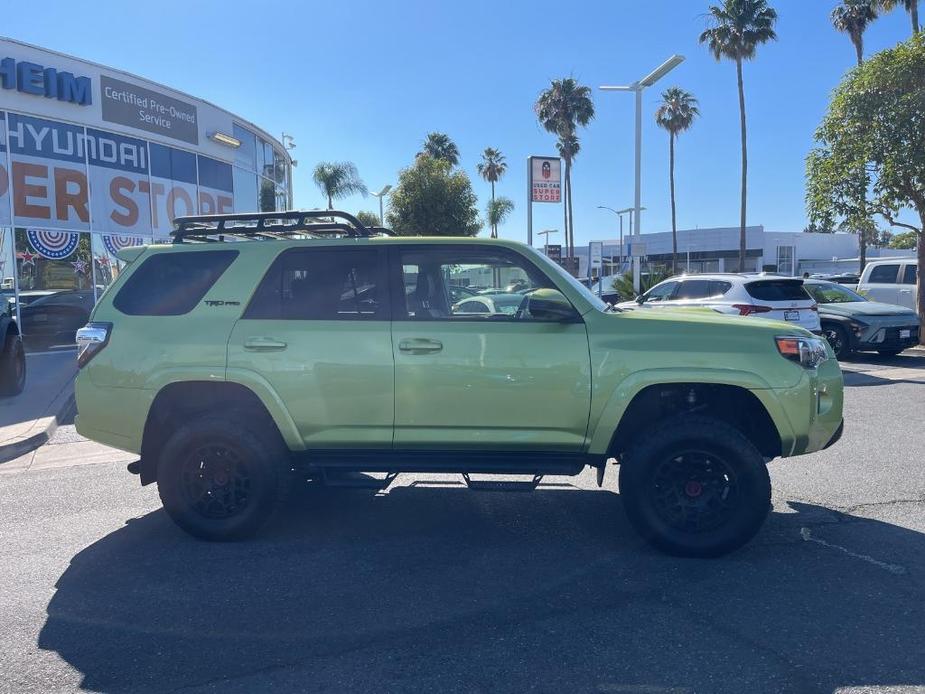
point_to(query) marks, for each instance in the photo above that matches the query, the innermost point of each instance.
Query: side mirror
(550, 305)
(641, 299)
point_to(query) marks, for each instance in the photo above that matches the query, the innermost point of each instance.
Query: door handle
(264, 344)
(420, 345)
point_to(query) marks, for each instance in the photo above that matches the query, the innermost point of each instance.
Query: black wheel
(222, 478)
(889, 352)
(695, 486)
(12, 366)
(838, 339)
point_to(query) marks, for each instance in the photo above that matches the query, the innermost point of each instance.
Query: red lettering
(225, 205)
(176, 193)
(75, 199)
(22, 191)
(4, 181)
(206, 203)
(117, 189)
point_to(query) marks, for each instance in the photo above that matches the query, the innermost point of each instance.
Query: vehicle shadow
(445, 589)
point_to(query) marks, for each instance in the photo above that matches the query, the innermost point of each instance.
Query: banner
(120, 192)
(54, 245)
(114, 244)
(48, 173)
(5, 214)
(173, 187)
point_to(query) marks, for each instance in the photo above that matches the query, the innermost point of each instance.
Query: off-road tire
(198, 456)
(703, 448)
(12, 366)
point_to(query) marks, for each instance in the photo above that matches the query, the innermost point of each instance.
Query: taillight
(91, 339)
(814, 307)
(749, 309)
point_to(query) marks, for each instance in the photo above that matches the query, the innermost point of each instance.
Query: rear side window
(909, 274)
(883, 274)
(702, 289)
(777, 290)
(307, 284)
(171, 284)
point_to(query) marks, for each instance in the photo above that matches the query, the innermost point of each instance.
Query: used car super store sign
(56, 174)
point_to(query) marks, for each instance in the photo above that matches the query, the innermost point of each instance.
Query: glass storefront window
(7, 274)
(279, 167)
(267, 196)
(106, 265)
(56, 289)
(246, 155)
(245, 191)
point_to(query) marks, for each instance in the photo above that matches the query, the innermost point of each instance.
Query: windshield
(831, 293)
(558, 270)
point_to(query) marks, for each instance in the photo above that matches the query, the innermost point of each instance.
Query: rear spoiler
(130, 254)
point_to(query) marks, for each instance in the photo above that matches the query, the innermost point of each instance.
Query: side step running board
(502, 485)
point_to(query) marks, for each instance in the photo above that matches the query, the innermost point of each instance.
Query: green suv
(318, 346)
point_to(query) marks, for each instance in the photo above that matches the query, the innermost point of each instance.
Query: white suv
(891, 281)
(761, 295)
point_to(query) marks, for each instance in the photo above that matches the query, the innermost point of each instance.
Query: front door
(318, 331)
(472, 368)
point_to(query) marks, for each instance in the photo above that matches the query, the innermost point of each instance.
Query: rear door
(882, 283)
(317, 329)
(494, 381)
(787, 300)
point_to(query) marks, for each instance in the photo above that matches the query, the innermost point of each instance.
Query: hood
(681, 316)
(864, 308)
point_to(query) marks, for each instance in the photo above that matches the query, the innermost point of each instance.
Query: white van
(891, 281)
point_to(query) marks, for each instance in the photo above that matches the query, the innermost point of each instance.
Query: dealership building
(93, 159)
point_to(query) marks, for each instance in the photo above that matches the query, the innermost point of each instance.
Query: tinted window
(171, 284)
(909, 273)
(503, 278)
(661, 292)
(883, 274)
(322, 285)
(701, 289)
(777, 290)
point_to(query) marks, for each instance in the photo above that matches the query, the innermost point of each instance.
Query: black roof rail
(206, 227)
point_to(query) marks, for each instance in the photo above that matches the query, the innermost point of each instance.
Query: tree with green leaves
(440, 146)
(911, 6)
(738, 28)
(874, 131)
(368, 219)
(433, 200)
(623, 284)
(561, 108)
(492, 167)
(675, 114)
(338, 179)
(906, 241)
(497, 211)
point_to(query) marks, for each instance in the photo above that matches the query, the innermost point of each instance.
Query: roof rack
(272, 225)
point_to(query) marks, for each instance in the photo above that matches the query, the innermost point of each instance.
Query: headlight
(808, 352)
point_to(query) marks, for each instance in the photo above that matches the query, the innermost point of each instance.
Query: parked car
(852, 323)
(12, 354)
(759, 295)
(848, 278)
(226, 366)
(891, 281)
(53, 319)
(491, 304)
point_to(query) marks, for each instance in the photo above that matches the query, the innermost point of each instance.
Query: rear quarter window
(171, 284)
(777, 290)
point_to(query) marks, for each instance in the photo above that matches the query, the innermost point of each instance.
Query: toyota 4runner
(319, 346)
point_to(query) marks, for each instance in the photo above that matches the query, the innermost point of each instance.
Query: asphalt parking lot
(431, 587)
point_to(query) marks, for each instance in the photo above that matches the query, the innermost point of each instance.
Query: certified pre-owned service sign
(137, 107)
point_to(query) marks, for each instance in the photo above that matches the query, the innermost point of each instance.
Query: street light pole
(620, 214)
(545, 234)
(381, 195)
(638, 88)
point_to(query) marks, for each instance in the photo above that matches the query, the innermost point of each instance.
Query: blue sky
(365, 81)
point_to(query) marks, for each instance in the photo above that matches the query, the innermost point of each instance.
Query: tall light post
(381, 194)
(638, 88)
(289, 145)
(545, 234)
(620, 214)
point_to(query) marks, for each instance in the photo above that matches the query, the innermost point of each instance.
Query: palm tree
(440, 146)
(338, 179)
(497, 211)
(739, 26)
(853, 17)
(492, 167)
(568, 147)
(561, 109)
(911, 6)
(675, 114)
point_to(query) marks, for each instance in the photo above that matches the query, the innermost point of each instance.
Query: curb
(62, 406)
